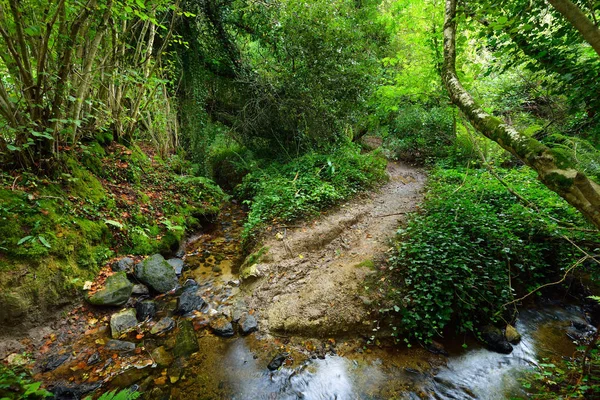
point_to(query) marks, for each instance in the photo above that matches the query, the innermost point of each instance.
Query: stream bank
(205, 353)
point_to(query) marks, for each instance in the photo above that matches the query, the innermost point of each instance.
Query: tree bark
(553, 171)
(580, 21)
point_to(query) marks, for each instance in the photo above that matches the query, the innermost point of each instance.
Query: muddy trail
(309, 279)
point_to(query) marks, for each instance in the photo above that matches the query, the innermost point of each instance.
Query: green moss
(558, 181)
(366, 264)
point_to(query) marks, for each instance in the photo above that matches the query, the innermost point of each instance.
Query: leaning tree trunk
(580, 21)
(556, 173)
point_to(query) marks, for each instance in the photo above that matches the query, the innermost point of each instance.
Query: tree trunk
(580, 21)
(554, 172)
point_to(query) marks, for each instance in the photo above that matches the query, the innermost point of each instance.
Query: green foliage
(420, 134)
(118, 395)
(18, 384)
(564, 379)
(306, 185)
(453, 259)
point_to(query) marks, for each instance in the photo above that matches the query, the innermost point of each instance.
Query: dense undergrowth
(55, 231)
(475, 247)
(283, 192)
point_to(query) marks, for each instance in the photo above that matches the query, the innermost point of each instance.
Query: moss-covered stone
(156, 272)
(116, 291)
(186, 342)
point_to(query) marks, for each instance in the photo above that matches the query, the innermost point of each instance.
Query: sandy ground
(311, 280)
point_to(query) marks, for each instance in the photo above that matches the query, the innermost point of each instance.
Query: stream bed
(74, 356)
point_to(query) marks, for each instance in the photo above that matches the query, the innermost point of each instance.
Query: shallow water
(473, 374)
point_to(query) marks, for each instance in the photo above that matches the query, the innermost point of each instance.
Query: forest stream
(278, 358)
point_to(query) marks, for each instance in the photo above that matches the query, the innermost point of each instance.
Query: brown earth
(310, 282)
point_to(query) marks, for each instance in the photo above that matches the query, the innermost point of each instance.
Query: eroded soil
(310, 281)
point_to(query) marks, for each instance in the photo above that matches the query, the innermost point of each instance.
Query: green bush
(306, 185)
(16, 384)
(420, 134)
(452, 260)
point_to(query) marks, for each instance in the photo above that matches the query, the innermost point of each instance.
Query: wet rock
(145, 310)
(495, 340)
(253, 271)
(94, 359)
(17, 360)
(164, 325)
(176, 370)
(177, 265)
(221, 326)
(239, 308)
(130, 376)
(54, 361)
(116, 291)
(140, 290)
(186, 342)
(437, 348)
(122, 322)
(234, 282)
(162, 357)
(72, 391)
(122, 265)
(189, 300)
(119, 346)
(247, 324)
(10, 346)
(512, 335)
(155, 272)
(216, 268)
(277, 361)
(180, 253)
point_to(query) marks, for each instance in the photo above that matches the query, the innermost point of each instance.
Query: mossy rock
(116, 291)
(156, 273)
(186, 342)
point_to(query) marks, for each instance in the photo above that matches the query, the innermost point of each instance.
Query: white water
(474, 374)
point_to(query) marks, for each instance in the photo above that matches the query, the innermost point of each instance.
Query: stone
(145, 309)
(94, 359)
(247, 324)
(157, 274)
(277, 361)
(130, 376)
(177, 265)
(119, 346)
(122, 322)
(239, 308)
(17, 360)
(10, 346)
(221, 326)
(140, 290)
(162, 326)
(162, 357)
(71, 391)
(190, 300)
(186, 342)
(116, 291)
(123, 265)
(54, 361)
(495, 340)
(437, 348)
(512, 335)
(176, 370)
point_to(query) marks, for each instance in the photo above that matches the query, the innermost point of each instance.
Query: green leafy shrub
(420, 134)
(306, 185)
(18, 385)
(229, 164)
(452, 260)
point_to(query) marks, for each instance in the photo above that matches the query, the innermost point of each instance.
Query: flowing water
(472, 374)
(236, 368)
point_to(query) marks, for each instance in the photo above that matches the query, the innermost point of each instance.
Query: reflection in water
(475, 374)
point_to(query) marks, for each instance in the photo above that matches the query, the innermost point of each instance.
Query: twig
(390, 215)
(579, 262)
(14, 183)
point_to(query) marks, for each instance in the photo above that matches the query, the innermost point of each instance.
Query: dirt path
(310, 282)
